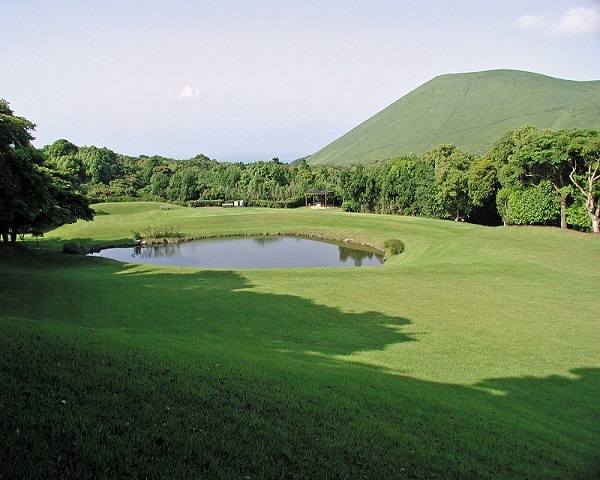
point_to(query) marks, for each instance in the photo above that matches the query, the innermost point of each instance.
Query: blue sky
(251, 80)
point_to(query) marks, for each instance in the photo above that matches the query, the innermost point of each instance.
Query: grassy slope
(475, 354)
(471, 110)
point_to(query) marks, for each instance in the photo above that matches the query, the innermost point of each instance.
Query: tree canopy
(564, 164)
(33, 195)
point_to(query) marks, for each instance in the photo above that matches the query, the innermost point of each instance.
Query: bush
(160, 231)
(289, 203)
(536, 205)
(73, 248)
(394, 246)
(118, 199)
(351, 206)
(578, 217)
(205, 203)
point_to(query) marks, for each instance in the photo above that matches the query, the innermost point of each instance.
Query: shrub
(205, 203)
(73, 248)
(289, 203)
(578, 217)
(394, 246)
(160, 231)
(351, 206)
(536, 205)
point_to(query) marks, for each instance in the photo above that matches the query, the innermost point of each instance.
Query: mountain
(471, 110)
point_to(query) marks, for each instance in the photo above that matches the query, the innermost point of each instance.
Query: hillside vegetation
(471, 110)
(473, 354)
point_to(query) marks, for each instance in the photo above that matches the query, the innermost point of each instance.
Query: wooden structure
(317, 194)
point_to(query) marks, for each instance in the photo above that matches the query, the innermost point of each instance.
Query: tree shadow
(554, 407)
(223, 303)
(87, 243)
(98, 212)
(219, 304)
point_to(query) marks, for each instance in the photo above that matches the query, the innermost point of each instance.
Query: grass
(473, 354)
(471, 110)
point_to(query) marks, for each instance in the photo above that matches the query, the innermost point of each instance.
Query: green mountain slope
(471, 110)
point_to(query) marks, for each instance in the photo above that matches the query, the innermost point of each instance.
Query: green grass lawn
(473, 354)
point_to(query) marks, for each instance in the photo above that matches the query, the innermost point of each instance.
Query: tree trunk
(506, 216)
(594, 213)
(563, 211)
(591, 204)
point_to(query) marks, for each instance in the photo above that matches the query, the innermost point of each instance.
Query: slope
(471, 110)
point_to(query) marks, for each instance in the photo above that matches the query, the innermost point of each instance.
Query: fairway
(473, 354)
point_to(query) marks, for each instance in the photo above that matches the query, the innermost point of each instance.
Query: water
(248, 252)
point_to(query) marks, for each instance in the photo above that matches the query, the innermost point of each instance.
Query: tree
(452, 179)
(353, 186)
(583, 150)
(398, 185)
(159, 184)
(407, 186)
(100, 164)
(540, 160)
(509, 172)
(482, 185)
(63, 156)
(184, 185)
(32, 196)
(67, 204)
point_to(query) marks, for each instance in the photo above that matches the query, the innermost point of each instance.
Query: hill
(471, 110)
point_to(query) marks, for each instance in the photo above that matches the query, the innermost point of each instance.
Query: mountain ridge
(471, 110)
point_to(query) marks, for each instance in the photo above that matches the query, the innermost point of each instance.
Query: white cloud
(187, 92)
(579, 20)
(575, 21)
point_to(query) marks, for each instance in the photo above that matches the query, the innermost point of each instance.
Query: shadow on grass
(98, 212)
(86, 242)
(223, 304)
(195, 375)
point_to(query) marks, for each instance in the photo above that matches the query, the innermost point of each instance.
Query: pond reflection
(249, 252)
(357, 256)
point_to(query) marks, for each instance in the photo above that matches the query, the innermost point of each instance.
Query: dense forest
(529, 177)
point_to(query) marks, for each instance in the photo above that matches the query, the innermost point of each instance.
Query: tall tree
(509, 172)
(541, 161)
(452, 179)
(63, 156)
(32, 196)
(100, 164)
(583, 150)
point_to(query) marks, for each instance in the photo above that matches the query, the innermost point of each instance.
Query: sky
(253, 80)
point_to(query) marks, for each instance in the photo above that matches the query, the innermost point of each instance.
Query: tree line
(529, 177)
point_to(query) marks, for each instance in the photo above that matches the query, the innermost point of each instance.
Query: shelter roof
(321, 192)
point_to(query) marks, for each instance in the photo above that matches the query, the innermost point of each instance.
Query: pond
(249, 252)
